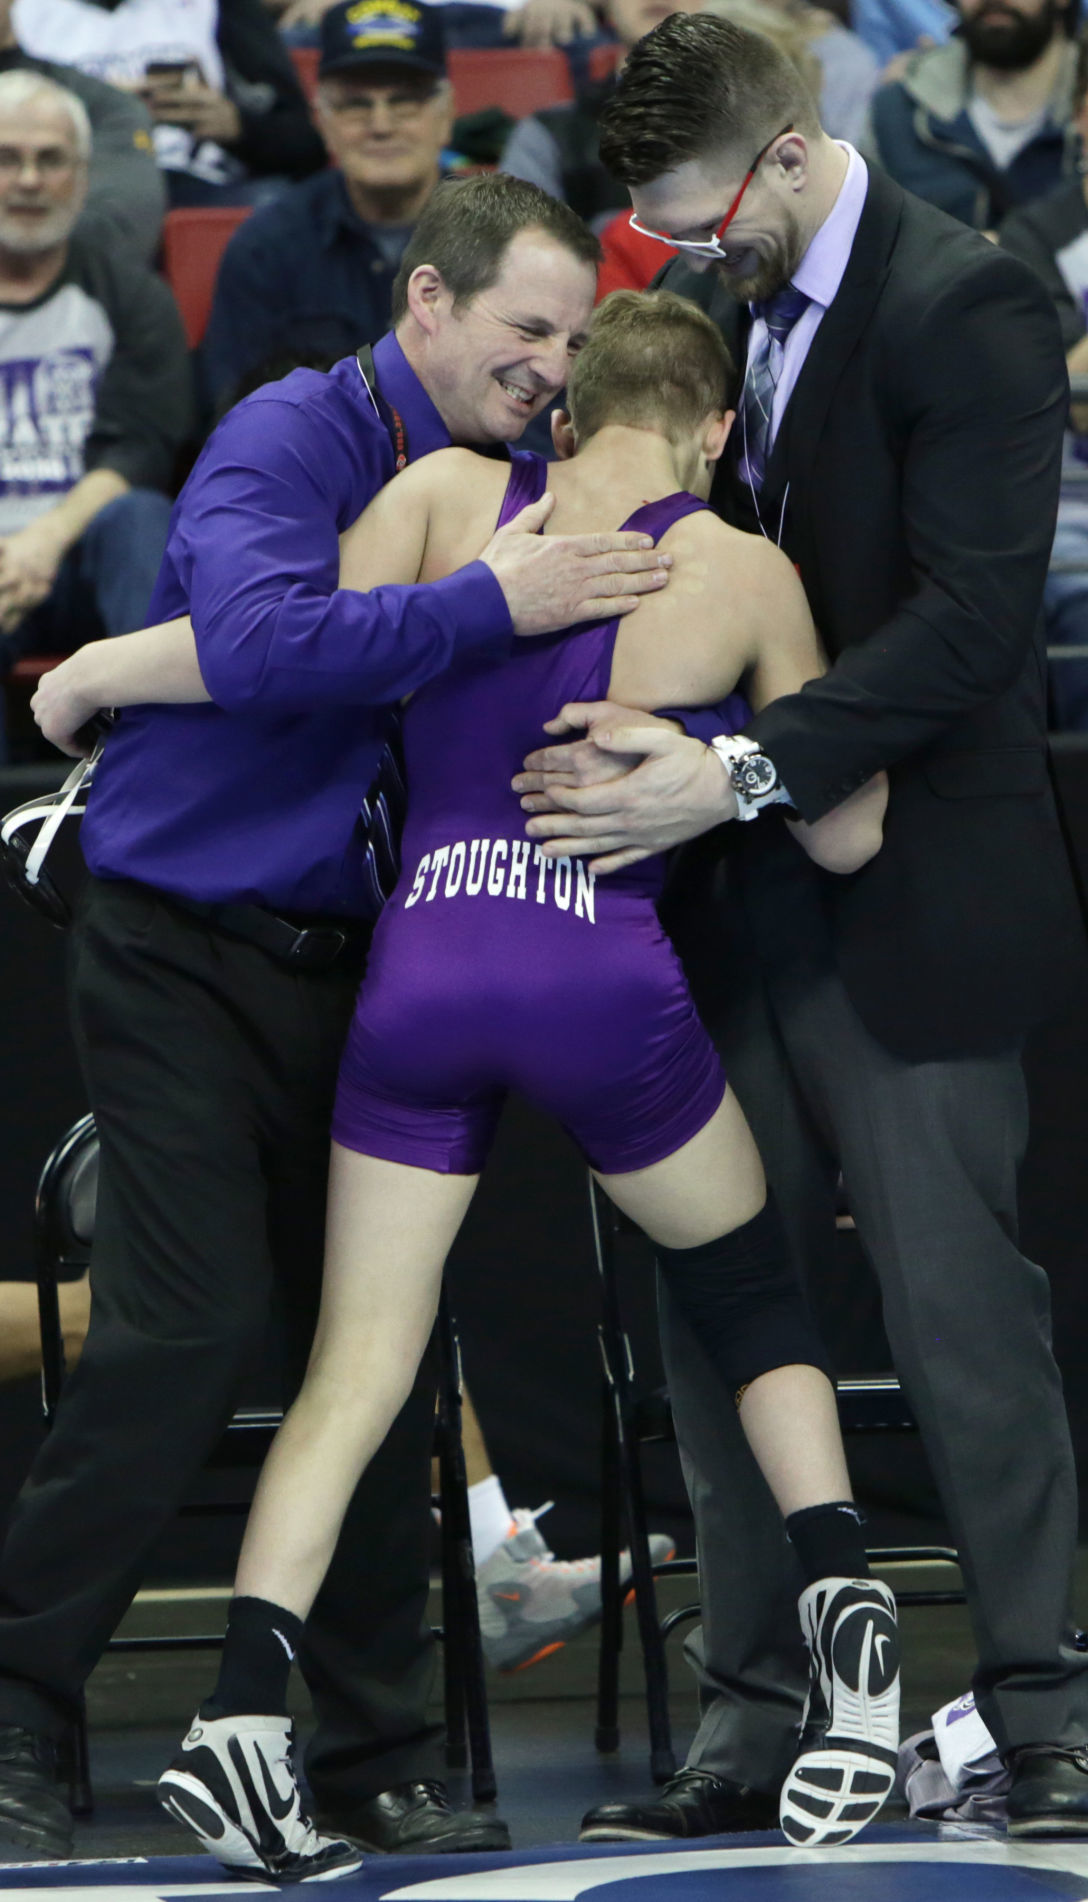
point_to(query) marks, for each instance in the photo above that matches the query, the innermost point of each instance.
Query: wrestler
(494, 967)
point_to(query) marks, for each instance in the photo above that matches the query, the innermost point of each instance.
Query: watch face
(756, 774)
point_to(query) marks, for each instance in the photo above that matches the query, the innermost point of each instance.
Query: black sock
(258, 1650)
(828, 1541)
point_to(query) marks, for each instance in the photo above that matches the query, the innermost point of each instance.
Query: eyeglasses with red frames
(712, 247)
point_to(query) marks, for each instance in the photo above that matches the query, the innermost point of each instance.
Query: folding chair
(63, 1232)
(193, 242)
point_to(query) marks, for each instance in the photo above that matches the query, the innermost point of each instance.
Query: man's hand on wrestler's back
(555, 581)
(667, 789)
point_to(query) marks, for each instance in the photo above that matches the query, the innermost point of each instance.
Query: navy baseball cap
(363, 33)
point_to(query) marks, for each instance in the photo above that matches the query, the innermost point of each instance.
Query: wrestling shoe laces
(532, 1603)
(838, 1786)
(233, 1783)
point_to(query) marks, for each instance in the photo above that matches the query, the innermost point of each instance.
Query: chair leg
(662, 1758)
(607, 1735)
(466, 1690)
(621, 1447)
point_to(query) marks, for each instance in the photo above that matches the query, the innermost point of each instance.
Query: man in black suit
(899, 434)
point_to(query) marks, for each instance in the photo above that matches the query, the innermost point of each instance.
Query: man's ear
(428, 298)
(563, 435)
(717, 434)
(791, 154)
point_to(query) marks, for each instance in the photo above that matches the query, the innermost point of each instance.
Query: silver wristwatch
(752, 775)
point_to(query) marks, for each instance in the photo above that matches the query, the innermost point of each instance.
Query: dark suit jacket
(918, 465)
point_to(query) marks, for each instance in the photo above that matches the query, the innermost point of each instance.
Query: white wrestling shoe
(838, 1786)
(233, 1783)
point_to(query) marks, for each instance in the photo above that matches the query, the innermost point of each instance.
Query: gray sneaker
(531, 1603)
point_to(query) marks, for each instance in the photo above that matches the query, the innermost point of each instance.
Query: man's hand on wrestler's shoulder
(555, 581)
(634, 785)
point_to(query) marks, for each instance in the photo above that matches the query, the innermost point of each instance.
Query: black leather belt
(302, 947)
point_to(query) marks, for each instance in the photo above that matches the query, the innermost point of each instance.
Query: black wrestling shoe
(692, 1803)
(233, 1783)
(416, 1819)
(844, 1772)
(34, 1818)
(1048, 1795)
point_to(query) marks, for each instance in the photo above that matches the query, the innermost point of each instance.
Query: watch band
(752, 775)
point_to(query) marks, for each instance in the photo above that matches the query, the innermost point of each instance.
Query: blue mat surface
(887, 1865)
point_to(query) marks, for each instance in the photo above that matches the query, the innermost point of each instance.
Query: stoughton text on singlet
(504, 868)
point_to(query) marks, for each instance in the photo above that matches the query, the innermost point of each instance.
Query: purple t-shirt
(256, 798)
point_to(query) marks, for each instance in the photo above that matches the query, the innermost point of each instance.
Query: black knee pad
(741, 1296)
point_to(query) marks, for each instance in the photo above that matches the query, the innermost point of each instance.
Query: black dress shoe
(415, 1819)
(34, 1818)
(692, 1803)
(1048, 1794)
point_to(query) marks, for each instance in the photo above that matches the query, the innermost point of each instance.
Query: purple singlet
(494, 968)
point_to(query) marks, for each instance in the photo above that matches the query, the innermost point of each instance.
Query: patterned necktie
(779, 313)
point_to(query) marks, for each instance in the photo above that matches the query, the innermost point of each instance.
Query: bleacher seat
(518, 79)
(193, 243)
(305, 60)
(603, 61)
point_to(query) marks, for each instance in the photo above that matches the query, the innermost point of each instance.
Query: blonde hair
(651, 360)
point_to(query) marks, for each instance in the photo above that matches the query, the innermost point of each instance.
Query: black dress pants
(210, 1069)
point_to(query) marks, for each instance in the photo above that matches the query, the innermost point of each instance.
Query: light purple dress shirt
(819, 275)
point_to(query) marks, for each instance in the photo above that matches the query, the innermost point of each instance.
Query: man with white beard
(94, 393)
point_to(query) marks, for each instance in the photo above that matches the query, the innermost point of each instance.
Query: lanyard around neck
(391, 417)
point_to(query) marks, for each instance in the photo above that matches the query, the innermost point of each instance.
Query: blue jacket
(920, 132)
(303, 274)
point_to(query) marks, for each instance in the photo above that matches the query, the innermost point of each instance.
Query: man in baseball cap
(404, 35)
(310, 277)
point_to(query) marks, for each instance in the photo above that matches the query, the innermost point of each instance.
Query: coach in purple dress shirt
(899, 434)
(215, 964)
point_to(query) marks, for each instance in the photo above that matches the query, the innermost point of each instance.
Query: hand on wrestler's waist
(634, 786)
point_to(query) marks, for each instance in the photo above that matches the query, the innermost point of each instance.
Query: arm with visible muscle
(154, 665)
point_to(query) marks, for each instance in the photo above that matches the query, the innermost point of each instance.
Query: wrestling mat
(888, 1865)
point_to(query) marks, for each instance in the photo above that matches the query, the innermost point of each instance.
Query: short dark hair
(651, 360)
(468, 223)
(698, 85)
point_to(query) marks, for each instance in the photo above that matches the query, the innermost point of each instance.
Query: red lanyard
(400, 438)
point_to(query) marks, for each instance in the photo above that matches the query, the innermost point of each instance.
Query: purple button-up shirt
(256, 798)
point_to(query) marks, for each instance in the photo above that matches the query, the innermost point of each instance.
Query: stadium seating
(193, 243)
(518, 79)
(305, 61)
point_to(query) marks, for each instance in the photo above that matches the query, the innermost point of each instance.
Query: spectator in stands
(314, 272)
(1051, 234)
(125, 192)
(231, 125)
(558, 149)
(476, 24)
(94, 396)
(892, 27)
(984, 123)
